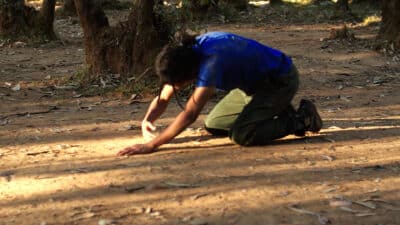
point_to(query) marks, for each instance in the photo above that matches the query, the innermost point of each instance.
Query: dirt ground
(58, 162)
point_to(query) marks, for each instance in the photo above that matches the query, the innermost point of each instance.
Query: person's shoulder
(216, 36)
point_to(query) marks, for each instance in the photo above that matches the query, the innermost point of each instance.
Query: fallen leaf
(195, 197)
(37, 153)
(329, 139)
(103, 83)
(138, 210)
(198, 221)
(16, 87)
(126, 128)
(79, 170)
(347, 209)
(133, 98)
(283, 193)
(84, 215)
(365, 204)
(134, 188)
(105, 222)
(327, 157)
(148, 210)
(7, 175)
(155, 214)
(365, 214)
(345, 98)
(373, 190)
(390, 207)
(340, 203)
(4, 122)
(302, 211)
(330, 190)
(180, 185)
(321, 219)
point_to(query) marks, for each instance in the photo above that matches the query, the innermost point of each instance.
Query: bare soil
(58, 162)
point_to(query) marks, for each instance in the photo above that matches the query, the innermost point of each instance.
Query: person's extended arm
(157, 107)
(193, 107)
(155, 110)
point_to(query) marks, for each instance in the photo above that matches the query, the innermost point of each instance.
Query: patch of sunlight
(34, 3)
(264, 3)
(360, 55)
(364, 119)
(359, 128)
(237, 193)
(371, 19)
(259, 3)
(300, 2)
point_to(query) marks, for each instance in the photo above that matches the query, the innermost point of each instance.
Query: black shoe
(308, 113)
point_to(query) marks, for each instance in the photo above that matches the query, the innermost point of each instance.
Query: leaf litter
(321, 219)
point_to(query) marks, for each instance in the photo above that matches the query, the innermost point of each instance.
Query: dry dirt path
(60, 167)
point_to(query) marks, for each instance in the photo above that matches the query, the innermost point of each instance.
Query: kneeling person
(262, 82)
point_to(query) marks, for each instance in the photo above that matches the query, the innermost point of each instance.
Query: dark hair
(178, 61)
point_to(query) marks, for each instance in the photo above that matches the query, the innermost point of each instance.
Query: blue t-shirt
(229, 61)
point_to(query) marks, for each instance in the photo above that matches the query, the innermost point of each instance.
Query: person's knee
(209, 123)
(215, 131)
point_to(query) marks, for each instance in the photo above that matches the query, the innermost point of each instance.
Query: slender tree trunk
(343, 6)
(94, 24)
(371, 2)
(46, 18)
(238, 4)
(69, 7)
(13, 17)
(275, 2)
(390, 27)
(197, 7)
(125, 49)
(17, 19)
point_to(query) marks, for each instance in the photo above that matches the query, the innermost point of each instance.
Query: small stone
(148, 210)
(104, 222)
(198, 221)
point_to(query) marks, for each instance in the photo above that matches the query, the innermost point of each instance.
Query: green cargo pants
(260, 118)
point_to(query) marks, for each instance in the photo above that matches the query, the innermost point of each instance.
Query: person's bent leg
(224, 114)
(269, 115)
(264, 131)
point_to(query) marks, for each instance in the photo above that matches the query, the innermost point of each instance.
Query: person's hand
(148, 130)
(136, 149)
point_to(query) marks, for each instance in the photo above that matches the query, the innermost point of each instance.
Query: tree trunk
(69, 7)
(46, 18)
(275, 2)
(371, 2)
(197, 7)
(343, 6)
(238, 4)
(390, 27)
(126, 49)
(17, 20)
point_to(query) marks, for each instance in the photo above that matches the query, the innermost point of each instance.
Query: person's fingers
(125, 151)
(121, 153)
(150, 134)
(151, 126)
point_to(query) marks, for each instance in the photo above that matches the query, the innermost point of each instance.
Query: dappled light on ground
(60, 166)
